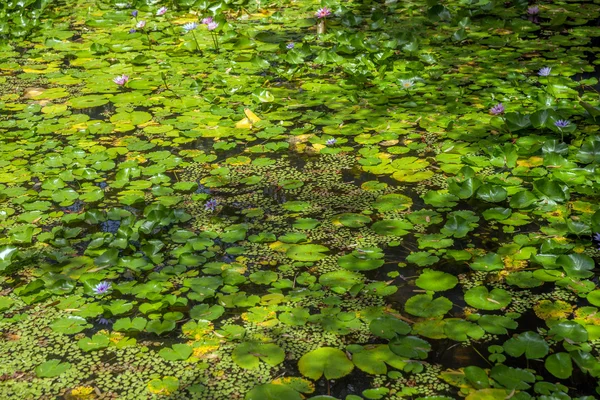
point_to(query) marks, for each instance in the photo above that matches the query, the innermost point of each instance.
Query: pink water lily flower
(323, 12)
(212, 26)
(121, 80)
(207, 20)
(140, 24)
(162, 11)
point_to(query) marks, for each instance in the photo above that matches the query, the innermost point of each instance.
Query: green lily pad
(177, 352)
(327, 361)
(353, 263)
(529, 343)
(51, 368)
(392, 227)
(271, 391)
(249, 354)
(96, 342)
(307, 252)
(388, 327)
(352, 220)
(373, 359)
(479, 297)
(424, 305)
(436, 281)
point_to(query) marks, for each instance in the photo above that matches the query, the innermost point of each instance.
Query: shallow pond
(294, 200)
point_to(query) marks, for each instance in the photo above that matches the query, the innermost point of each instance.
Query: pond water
(299, 200)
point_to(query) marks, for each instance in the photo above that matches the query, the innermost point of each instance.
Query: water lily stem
(215, 41)
(196, 40)
(481, 355)
(507, 128)
(148, 37)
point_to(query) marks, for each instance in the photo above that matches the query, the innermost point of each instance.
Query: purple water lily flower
(331, 142)
(532, 14)
(562, 123)
(140, 24)
(207, 20)
(210, 205)
(596, 237)
(497, 109)
(323, 12)
(162, 11)
(104, 321)
(545, 71)
(190, 26)
(134, 13)
(121, 80)
(132, 30)
(290, 45)
(102, 287)
(212, 25)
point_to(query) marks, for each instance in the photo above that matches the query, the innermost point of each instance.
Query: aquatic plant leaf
(51, 368)
(512, 378)
(577, 265)
(479, 297)
(435, 241)
(96, 342)
(456, 226)
(293, 237)
(464, 189)
(552, 190)
(517, 121)
(523, 199)
(352, 220)
(248, 354)
(177, 352)
(69, 325)
(159, 327)
(388, 327)
(492, 193)
(269, 391)
(306, 252)
(436, 281)
(489, 394)
(353, 263)
(372, 359)
(440, 199)
(343, 279)
(410, 347)
(392, 227)
(163, 386)
(568, 330)
(559, 365)
(477, 377)
(523, 279)
(136, 324)
(489, 262)
(6, 303)
(206, 312)
(529, 343)
(497, 324)
(422, 258)
(327, 361)
(392, 202)
(295, 317)
(461, 331)
(424, 305)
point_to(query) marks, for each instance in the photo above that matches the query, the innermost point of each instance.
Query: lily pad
(327, 361)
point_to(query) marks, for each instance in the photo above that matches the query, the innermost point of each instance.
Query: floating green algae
(248, 200)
